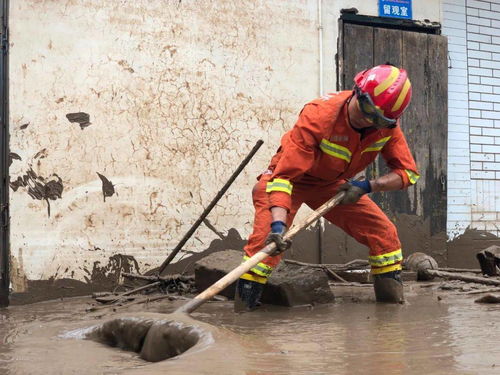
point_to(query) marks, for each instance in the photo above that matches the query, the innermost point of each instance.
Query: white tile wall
(473, 31)
(483, 48)
(459, 167)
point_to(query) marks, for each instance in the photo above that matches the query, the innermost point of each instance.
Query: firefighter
(336, 137)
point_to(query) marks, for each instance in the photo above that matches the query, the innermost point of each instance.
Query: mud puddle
(453, 335)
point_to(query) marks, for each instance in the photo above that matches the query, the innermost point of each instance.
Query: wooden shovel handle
(244, 267)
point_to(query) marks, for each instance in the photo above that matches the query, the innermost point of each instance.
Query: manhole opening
(153, 340)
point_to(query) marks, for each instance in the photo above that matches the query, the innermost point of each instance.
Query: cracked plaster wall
(176, 93)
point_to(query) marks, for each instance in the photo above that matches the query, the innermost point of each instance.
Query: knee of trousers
(385, 240)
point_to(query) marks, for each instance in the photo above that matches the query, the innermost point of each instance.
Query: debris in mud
(489, 260)
(171, 287)
(489, 298)
(465, 277)
(482, 290)
(421, 263)
(457, 285)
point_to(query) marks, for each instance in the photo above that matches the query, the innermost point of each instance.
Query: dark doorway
(424, 56)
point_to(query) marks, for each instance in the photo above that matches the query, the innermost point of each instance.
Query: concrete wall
(127, 117)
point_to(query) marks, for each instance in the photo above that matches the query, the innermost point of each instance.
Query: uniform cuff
(280, 199)
(407, 176)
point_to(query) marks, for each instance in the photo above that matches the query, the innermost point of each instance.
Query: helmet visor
(371, 111)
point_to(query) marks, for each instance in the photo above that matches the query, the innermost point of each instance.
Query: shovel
(157, 338)
(244, 267)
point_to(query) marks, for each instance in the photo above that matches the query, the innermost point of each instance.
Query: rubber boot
(388, 287)
(247, 296)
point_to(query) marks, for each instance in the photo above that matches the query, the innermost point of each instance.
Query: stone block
(294, 285)
(213, 267)
(289, 285)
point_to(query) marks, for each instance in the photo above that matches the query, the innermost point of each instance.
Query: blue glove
(278, 230)
(278, 227)
(354, 190)
(365, 185)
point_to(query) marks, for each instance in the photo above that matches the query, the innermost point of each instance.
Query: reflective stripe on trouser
(260, 269)
(386, 262)
(262, 225)
(364, 221)
(252, 277)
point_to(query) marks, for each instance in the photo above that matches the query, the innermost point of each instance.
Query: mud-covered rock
(168, 339)
(124, 333)
(289, 285)
(420, 263)
(489, 260)
(294, 285)
(215, 266)
(489, 298)
(154, 338)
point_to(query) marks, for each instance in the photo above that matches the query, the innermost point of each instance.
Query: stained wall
(127, 117)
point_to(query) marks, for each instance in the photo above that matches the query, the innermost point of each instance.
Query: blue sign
(395, 8)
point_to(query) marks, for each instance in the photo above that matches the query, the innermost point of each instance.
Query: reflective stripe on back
(335, 150)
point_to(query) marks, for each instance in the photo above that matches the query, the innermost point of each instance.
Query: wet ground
(435, 332)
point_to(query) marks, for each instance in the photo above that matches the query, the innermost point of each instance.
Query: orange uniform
(314, 159)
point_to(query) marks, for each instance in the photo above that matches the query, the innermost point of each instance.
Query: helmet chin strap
(386, 127)
(348, 113)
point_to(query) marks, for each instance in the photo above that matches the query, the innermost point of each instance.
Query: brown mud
(100, 277)
(332, 246)
(435, 332)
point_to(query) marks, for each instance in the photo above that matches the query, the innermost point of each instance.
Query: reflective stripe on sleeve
(335, 150)
(386, 259)
(412, 176)
(377, 146)
(260, 269)
(279, 184)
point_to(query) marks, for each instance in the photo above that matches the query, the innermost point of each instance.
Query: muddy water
(353, 336)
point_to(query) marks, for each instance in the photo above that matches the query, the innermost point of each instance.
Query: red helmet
(388, 87)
